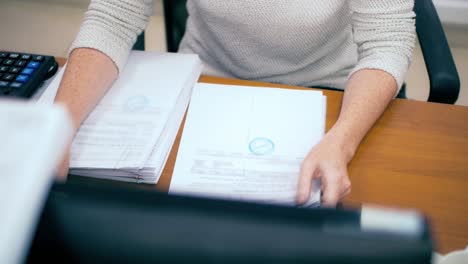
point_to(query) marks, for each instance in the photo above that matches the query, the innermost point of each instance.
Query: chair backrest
(175, 16)
(175, 13)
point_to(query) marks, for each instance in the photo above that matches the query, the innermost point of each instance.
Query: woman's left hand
(326, 161)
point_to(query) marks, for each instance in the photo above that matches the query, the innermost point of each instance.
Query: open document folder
(248, 143)
(129, 135)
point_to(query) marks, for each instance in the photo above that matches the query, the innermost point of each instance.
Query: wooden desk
(416, 156)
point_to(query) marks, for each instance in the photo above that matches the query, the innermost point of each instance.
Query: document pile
(34, 138)
(130, 133)
(248, 143)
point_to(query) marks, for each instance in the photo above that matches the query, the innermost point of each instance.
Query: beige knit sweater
(298, 42)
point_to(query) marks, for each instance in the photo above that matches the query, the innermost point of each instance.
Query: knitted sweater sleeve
(384, 32)
(112, 26)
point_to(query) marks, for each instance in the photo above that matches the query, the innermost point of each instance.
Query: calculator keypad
(16, 69)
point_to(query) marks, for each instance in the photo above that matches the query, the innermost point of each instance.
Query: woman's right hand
(89, 74)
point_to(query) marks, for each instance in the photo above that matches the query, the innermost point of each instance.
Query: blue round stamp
(261, 146)
(137, 103)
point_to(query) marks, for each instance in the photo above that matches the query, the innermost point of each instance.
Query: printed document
(246, 143)
(130, 132)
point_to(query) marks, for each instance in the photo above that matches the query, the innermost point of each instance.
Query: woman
(361, 46)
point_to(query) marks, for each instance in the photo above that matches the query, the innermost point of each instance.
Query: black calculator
(22, 73)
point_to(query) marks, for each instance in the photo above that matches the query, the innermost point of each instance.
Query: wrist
(344, 141)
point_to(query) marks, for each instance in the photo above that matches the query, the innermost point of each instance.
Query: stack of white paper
(33, 141)
(248, 143)
(129, 134)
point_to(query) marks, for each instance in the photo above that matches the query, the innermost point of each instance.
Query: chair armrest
(443, 75)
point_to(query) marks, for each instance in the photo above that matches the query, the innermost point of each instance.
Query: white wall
(49, 26)
(452, 11)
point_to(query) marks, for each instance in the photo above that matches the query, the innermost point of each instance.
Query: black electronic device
(21, 74)
(85, 224)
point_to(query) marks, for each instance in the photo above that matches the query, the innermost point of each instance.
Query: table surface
(415, 156)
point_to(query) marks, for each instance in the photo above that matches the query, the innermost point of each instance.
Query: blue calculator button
(22, 78)
(27, 71)
(33, 64)
(15, 85)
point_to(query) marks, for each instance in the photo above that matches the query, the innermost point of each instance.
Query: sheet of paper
(248, 143)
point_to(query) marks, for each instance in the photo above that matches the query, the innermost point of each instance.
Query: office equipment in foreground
(128, 136)
(100, 225)
(247, 143)
(33, 141)
(21, 74)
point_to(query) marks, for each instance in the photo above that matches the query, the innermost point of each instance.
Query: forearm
(384, 32)
(88, 76)
(366, 97)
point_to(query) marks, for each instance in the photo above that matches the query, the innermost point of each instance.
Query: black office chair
(140, 42)
(443, 75)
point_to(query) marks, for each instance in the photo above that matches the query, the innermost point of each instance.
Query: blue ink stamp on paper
(261, 146)
(137, 103)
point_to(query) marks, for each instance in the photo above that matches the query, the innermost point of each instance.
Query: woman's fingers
(335, 186)
(307, 174)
